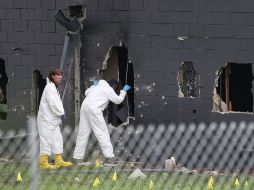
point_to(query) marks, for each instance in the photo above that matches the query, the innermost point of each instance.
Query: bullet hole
(233, 88)
(17, 50)
(187, 80)
(3, 84)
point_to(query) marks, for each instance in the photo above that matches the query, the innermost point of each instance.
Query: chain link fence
(175, 156)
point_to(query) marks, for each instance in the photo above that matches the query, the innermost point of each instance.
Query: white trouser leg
(83, 136)
(51, 139)
(57, 141)
(100, 130)
(45, 139)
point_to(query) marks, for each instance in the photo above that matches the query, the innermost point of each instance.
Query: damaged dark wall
(3, 84)
(30, 39)
(234, 87)
(159, 35)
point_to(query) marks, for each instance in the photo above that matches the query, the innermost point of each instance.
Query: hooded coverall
(91, 118)
(49, 120)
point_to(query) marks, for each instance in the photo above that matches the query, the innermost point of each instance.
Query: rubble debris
(136, 174)
(218, 104)
(86, 164)
(170, 164)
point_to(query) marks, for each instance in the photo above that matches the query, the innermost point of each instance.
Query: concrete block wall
(30, 27)
(150, 29)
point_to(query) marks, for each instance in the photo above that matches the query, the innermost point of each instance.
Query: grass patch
(83, 178)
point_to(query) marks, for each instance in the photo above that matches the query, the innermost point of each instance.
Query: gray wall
(218, 32)
(29, 25)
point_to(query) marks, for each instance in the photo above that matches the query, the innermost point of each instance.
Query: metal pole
(77, 68)
(66, 42)
(77, 79)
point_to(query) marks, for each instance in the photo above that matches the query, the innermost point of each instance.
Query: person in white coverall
(91, 118)
(49, 120)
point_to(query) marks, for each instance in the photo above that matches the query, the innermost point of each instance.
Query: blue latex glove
(126, 87)
(63, 116)
(95, 82)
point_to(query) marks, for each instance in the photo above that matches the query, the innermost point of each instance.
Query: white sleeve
(113, 97)
(54, 101)
(89, 90)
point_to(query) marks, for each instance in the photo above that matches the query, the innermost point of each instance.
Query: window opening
(3, 84)
(233, 88)
(187, 80)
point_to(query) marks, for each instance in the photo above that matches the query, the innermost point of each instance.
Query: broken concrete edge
(107, 56)
(74, 2)
(233, 112)
(110, 126)
(137, 174)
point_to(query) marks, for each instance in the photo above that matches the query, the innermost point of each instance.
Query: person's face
(57, 78)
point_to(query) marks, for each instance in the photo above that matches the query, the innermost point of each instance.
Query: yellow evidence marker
(19, 178)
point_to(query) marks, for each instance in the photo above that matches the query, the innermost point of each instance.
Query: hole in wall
(187, 80)
(233, 88)
(3, 85)
(76, 11)
(117, 66)
(38, 86)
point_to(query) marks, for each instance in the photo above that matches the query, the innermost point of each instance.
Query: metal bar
(77, 79)
(67, 58)
(67, 81)
(66, 42)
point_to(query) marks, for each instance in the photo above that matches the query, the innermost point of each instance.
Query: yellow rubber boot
(60, 162)
(44, 164)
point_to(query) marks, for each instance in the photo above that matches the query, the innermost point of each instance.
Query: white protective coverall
(49, 120)
(91, 118)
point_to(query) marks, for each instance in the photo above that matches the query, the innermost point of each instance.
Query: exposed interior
(38, 86)
(187, 80)
(76, 11)
(117, 66)
(234, 90)
(3, 84)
